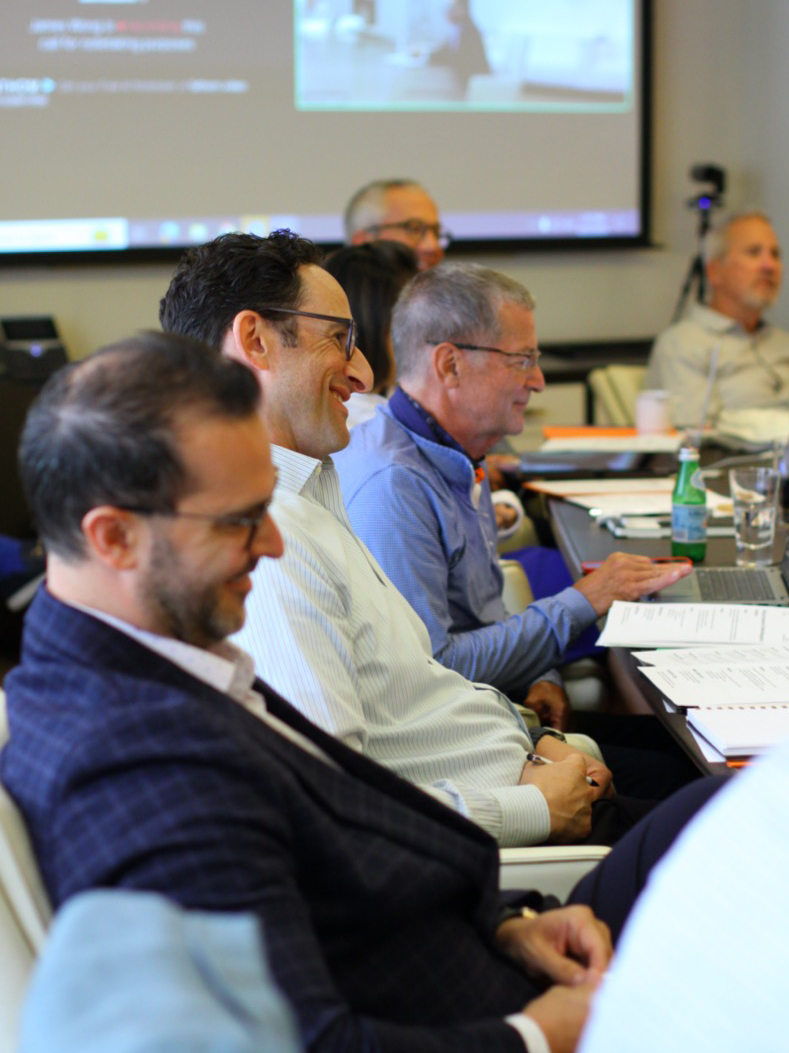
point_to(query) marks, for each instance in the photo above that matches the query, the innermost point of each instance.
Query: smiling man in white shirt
(326, 627)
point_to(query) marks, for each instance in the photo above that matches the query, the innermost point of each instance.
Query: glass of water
(754, 494)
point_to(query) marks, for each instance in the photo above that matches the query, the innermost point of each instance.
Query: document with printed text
(637, 625)
(721, 685)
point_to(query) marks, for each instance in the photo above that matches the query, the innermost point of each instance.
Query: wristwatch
(537, 733)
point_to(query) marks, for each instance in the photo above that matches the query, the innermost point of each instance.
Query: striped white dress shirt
(329, 631)
(225, 667)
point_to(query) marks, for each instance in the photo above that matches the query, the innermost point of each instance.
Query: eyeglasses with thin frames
(350, 342)
(415, 230)
(521, 360)
(224, 522)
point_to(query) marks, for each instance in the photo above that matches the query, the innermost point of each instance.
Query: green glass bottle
(689, 508)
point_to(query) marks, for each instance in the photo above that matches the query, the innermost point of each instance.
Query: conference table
(581, 538)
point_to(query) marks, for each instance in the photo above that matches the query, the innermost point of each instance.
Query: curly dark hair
(235, 272)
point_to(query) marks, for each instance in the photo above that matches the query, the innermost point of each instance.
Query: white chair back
(615, 389)
(516, 593)
(554, 869)
(24, 909)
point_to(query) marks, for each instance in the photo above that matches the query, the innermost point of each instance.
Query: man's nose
(267, 542)
(536, 379)
(359, 371)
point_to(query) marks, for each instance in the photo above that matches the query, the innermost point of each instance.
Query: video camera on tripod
(704, 203)
(708, 200)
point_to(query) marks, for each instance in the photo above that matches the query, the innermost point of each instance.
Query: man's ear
(112, 535)
(249, 340)
(713, 270)
(447, 365)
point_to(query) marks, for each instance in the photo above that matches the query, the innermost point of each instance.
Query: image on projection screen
(149, 125)
(524, 55)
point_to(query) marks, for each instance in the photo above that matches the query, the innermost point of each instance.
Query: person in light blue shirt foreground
(132, 972)
(701, 963)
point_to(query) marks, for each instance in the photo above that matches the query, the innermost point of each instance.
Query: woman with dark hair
(372, 276)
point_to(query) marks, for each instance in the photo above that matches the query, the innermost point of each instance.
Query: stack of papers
(737, 697)
(740, 731)
(689, 687)
(609, 439)
(611, 498)
(660, 526)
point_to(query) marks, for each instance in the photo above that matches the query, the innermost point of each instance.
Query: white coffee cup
(653, 412)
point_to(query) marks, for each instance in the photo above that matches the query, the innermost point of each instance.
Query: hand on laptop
(627, 577)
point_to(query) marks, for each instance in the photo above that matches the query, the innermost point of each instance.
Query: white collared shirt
(225, 667)
(331, 633)
(751, 372)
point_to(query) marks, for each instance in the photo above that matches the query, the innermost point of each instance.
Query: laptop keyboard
(734, 585)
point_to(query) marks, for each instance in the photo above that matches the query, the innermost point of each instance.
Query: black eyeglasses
(225, 522)
(415, 230)
(521, 360)
(350, 342)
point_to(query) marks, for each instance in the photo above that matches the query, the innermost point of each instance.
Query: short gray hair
(458, 302)
(366, 207)
(716, 241)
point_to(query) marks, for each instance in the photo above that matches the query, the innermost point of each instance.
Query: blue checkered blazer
(378, 903)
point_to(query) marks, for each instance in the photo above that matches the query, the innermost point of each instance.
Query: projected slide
(525, 55)
(148, 125)
(73, 43)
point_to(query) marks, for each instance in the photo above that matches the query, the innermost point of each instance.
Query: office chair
(614, 389)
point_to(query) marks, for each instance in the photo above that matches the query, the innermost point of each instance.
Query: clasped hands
(571, 949)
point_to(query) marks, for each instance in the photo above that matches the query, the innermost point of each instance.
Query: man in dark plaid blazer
(144, 755)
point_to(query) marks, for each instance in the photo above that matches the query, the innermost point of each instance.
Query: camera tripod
(696, 275)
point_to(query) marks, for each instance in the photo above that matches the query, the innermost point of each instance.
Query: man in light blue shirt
(414, 479)
(415, 487)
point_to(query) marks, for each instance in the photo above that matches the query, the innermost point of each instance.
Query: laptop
(763, 585)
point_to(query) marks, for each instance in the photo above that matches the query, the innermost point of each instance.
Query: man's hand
(568, 796)
(555, 750)
(505, 515)
(561, 1014)
(551, 704)
(570, 947)
(565, 946)
(626, 577)
(496, 464)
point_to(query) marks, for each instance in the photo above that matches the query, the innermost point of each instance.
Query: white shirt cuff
(530, 1031)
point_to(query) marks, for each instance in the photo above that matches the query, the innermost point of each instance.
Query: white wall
(719, 82)
(765, 136)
